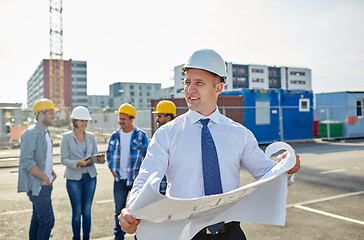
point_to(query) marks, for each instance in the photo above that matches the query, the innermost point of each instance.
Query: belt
(227, 227)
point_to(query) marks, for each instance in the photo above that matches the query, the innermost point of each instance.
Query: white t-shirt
(125, 153)
(49, 159)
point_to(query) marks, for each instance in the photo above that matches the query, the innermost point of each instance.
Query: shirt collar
(195, 116)
(41, 127)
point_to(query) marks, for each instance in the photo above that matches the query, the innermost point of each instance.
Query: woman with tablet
(79, 153)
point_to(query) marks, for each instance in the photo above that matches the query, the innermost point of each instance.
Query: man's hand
(296, 167)
(127, 223)
(54, 175)
(41, 175)
(46, 181)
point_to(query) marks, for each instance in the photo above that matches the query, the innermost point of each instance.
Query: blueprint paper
(263, 201)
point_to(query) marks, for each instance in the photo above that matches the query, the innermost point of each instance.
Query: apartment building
(74, 85)
(137, 94)
(250, 76)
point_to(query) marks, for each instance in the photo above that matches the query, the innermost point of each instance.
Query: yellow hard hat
(166, 106)
(127, 109)
(43, 104)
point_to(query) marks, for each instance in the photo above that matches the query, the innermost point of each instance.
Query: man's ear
(219, 88)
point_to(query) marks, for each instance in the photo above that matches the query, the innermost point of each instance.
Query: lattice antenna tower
(56, 72)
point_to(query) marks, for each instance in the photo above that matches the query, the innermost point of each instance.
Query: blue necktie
(210, 167)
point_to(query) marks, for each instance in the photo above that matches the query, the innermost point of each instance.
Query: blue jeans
(43, 218)
(81, 193)
(120, 194)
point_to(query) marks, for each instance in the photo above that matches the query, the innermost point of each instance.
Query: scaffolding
(56, 64)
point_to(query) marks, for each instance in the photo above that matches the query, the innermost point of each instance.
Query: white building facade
(255, 77)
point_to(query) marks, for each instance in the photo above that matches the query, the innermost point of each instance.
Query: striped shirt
(175, 151)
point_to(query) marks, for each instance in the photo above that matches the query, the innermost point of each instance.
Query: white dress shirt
(175, 150)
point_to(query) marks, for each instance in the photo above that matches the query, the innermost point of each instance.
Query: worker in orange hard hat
(36, 174)
(125, 152)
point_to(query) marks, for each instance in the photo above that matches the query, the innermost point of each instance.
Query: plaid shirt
(138, 149)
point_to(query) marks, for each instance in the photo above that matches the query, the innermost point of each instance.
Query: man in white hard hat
(201, 151)
(165, 112)
(36, 173)
(125, 152)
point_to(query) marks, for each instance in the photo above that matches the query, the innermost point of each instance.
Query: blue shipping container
(262, 110)
(297, 109)
(260, 113)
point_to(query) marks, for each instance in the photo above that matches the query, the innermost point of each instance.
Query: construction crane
(56, 64)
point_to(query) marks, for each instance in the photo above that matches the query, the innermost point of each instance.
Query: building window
(304, 105)
(262, 112)
(240, 82)
(274, 83)
(300, 82)
(261, 80)
(298, 73)
(272, 72)
(240, 70)
(257, 70)
(79, 72)
(131, 87)
(359, 107)
(81, 65)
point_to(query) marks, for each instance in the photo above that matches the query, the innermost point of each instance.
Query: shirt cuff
(290, 179)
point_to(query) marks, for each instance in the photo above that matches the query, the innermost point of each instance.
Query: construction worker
(77, 150)
(201, 151)
(126, 150)
(166, 111)
(36, 173)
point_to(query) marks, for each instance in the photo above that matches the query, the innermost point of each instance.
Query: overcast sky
(141, 41)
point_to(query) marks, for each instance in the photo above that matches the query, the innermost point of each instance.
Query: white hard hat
(209, 60)
(80, 113)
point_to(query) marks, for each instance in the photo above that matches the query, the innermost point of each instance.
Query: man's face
(48, 117)
(161, 119)
(201, 91)
(125, 122)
